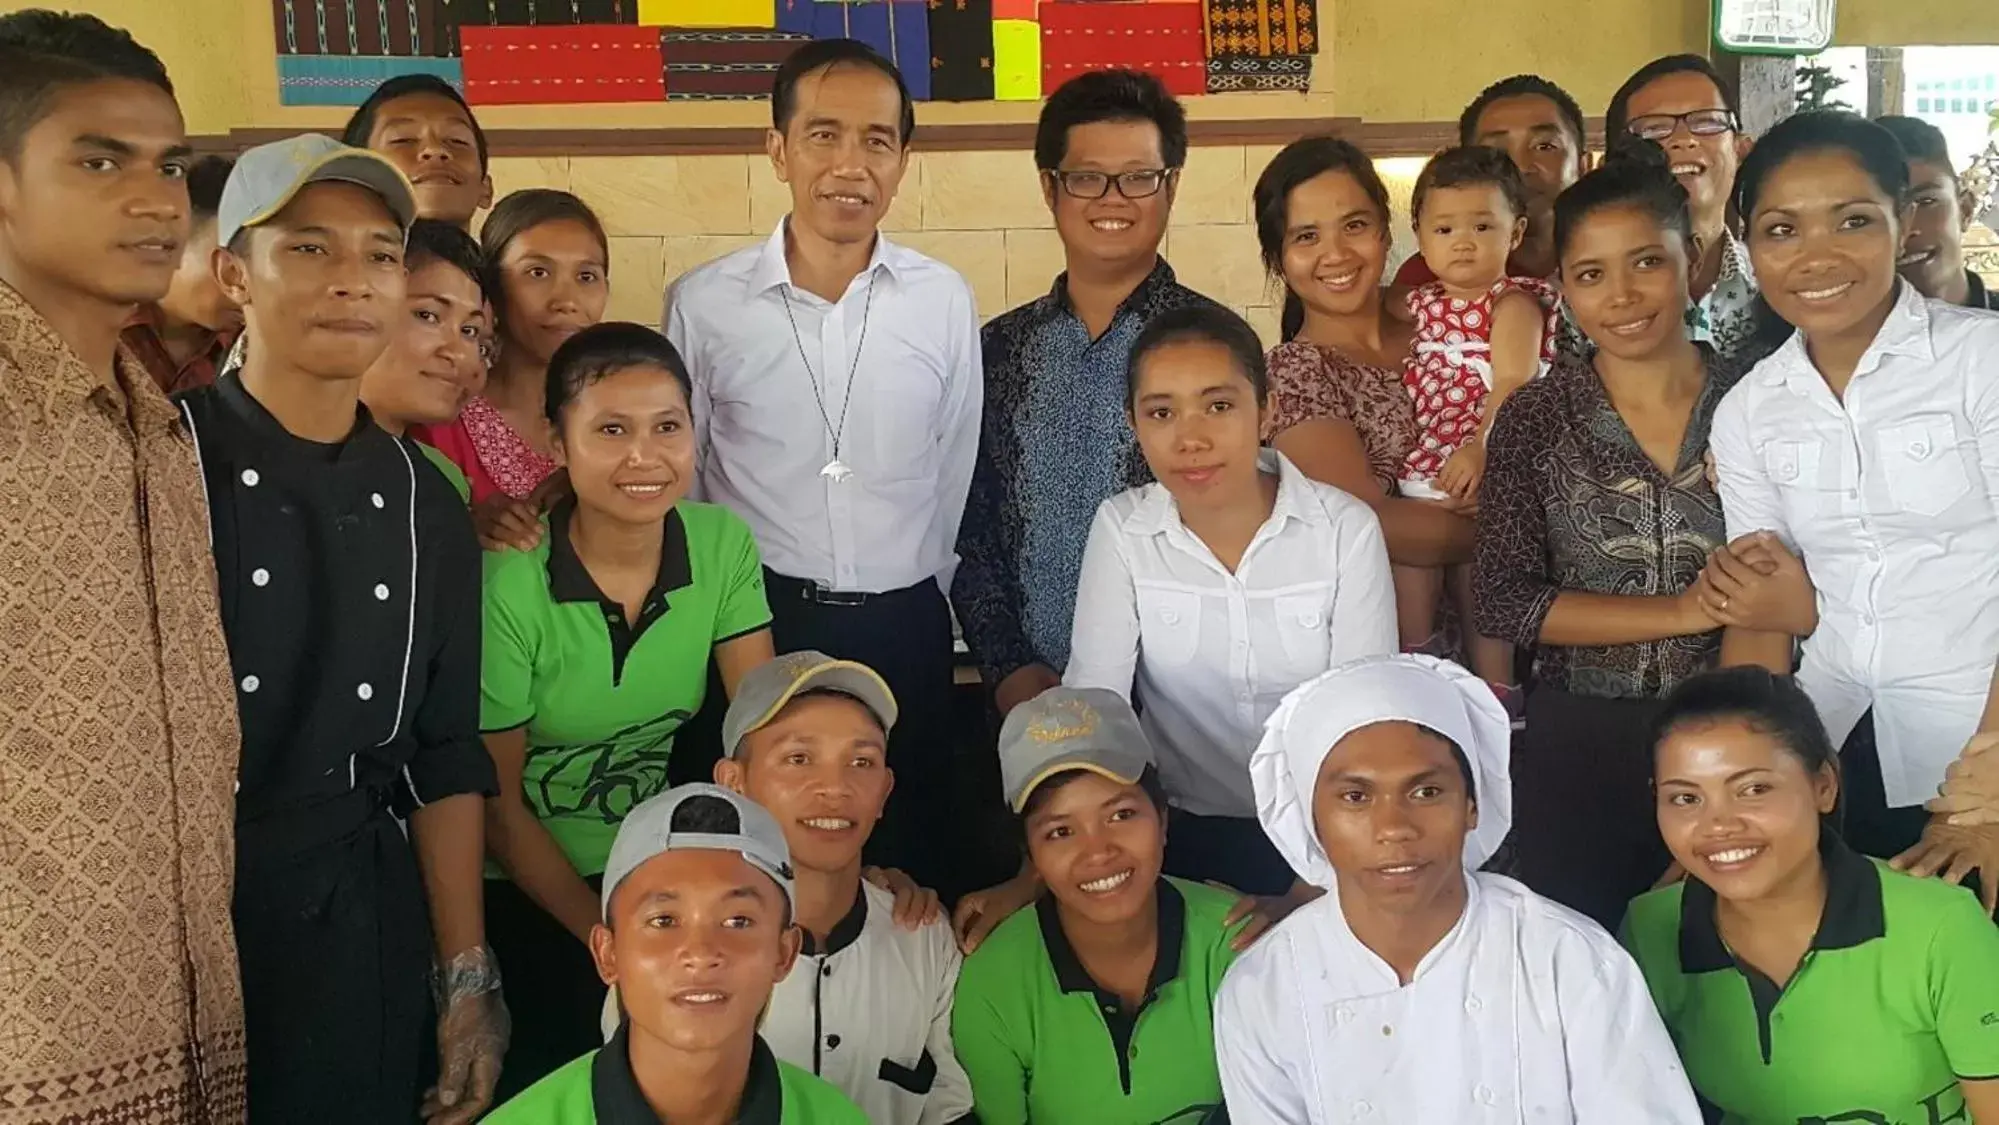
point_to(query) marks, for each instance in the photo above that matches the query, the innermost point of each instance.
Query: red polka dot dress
(1449, 370)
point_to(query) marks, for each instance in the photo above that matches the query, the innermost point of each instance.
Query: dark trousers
(1868, 824)
(1231, 850)
(333, 937)
(550, 983)
(1585, 824)
(905, 636)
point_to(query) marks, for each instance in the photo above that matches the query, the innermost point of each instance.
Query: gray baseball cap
(267, 177)
(648, 831)
(1068, 728)
(765, 691)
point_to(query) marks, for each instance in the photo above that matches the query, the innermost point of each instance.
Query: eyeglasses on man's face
(1136, 184)
(1700, 122)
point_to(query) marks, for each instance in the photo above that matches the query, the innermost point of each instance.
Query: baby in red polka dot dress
(1479, 336)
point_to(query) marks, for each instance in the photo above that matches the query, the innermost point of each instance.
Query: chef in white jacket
(1419, 990)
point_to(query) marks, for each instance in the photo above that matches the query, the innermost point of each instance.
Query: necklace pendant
(836, 471)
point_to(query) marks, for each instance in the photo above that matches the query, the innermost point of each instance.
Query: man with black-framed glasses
(1682, 104)
(1055, 441)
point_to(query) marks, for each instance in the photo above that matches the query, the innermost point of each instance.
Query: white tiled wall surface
(981, 212)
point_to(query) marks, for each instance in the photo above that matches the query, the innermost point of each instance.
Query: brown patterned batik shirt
(1571, 502)
(1308, 381)
(119, 1002)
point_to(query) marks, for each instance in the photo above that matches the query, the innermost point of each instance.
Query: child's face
(696, 941)
(821, 768)
(555, 284)
(1466, 233)
(430, 138)
(1099, 846)
(1198, 423)
(95, 200)
(194, 296)
(322, 283)
(627, 440)
(432, 364)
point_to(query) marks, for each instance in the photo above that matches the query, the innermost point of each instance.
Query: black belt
(804, 589)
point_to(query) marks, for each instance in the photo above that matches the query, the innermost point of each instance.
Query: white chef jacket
(1210, 654)
(1526, 1012)
(1891, 498)
(907, 332)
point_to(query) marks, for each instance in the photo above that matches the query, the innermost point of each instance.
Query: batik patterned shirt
(1056, 442)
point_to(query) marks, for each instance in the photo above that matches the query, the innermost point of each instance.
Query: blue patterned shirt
(1056, 442)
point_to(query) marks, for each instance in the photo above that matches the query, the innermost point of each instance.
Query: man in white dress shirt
(837, 390)
(1419, 990)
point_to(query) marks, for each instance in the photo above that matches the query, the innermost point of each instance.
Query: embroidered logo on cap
(1064, 720)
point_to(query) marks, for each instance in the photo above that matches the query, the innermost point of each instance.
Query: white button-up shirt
(1889, 498)
(911, 411)
(1525, 1012)
(1210, 653)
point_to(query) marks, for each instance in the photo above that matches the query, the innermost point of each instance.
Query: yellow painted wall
(1917, 23)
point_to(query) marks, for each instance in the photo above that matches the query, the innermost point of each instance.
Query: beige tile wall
(981, 212)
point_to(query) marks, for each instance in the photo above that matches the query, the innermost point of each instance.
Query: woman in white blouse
(1418, 991)
(1206, 597)
(1869, 443)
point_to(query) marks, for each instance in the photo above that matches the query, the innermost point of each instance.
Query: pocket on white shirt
(1301, 624)
(1920, 458)
(1796, 468)
(1169, 625)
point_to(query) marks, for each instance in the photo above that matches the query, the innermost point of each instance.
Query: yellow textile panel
(708, 13)
(1016, 60)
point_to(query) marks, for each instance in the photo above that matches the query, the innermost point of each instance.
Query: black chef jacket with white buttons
(350, 594)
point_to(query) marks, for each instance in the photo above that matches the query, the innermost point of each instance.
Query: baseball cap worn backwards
(268, 177)
(649, 832)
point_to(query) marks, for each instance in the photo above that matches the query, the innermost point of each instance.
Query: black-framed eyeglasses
(1136, 184)
(1700, 122)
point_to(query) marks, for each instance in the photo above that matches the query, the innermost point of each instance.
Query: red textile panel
(1165, 40)
(562, 65)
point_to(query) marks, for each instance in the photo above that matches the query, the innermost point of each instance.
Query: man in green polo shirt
(696, 931)
(1895, 1004)
(1095, 1007)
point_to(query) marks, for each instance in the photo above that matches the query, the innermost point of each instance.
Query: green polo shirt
(449, 468)
(1895, 1001)
(602, 697)
(1043, 1044)
(600, 1086)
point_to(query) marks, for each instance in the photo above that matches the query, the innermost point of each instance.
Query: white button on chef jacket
(1525, 1013)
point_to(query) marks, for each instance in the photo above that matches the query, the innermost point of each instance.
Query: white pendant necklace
(834, 470)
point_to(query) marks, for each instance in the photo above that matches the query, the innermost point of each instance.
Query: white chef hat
(1434, 694)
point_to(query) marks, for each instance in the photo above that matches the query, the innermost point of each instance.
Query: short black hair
(603, 350)
(1870, 144)
(433, 240)
(361, 125)
(1296, 164)
(1634, 173)
(1469, 166)
(42, 53)
(824, 54)
(1148, 782)
(1760, 699)
(1204, 323)
(1617, 118)
(1110, 95)
(205, 180)
(1518, 86)
(1920, 140)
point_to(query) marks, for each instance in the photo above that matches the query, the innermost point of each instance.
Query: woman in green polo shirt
(597, 646)
(1096, 1007)
(1801, 980)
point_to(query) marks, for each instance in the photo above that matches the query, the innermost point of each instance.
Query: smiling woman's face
(1335, 245)
(1737, 808)
(1097, 844)
(1824, 241)
(627, 440)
